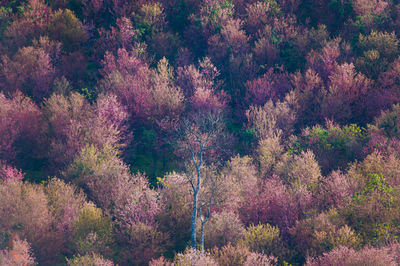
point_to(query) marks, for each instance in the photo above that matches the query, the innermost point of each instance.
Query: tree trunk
(202, 236)
(194, 218)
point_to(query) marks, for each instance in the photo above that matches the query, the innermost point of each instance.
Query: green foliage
(92, 231)
(4, 239)
(150, 19)
(269, 153)
(342, 8)
(291, 56)
(89, 260)
(147, 157)
(90, 94)
(336, 138)
(260, 238)
(215, 11)
(334, 146)
(376, 185)
(214, 16)
(66, 28)
(265, 239)
(5, 13)
(389, 122)
(373, 212)
(377, 50)
(174, 218)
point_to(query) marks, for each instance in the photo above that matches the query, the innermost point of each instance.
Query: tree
(378, 50)
(30, 70)
(369, 11)
(348, 256)
(73, 123)
(129, 78)
(274, 119)
(316, 235)
(90, 259)
(65, 203)
(111, 186)
(23, 29)
(19, 130)
(9, 173)
(211, 196)
(198, 137)
(223, 228)
(18, 253)
(65, 27)
(174, 218)
(91, 231)
(121, 36)
(272, 85)
(195, 258)
(25, 211)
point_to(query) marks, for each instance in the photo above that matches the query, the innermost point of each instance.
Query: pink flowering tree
(20, 128)
(28, 27)
(9, 173)
(30, 70)
(128, 198)
(271, 86)
(129, 78)
(73, 123)
(121, 36)
(272, 202)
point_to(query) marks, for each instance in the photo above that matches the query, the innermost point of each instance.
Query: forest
(199, 132)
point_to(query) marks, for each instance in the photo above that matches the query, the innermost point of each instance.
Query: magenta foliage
(325, 61)
(141, 204)
(206, 100)
(346, 256)
(73, 65)
(270, 86)
(126, 197)
(388, 93)
(340, 96)
(129, 78)
(74, 123)
(23, 29)
(113, 113)
(200, 86)
(381, 143)
(232, 40)
(19, 123)
(350, 83)
(9, 173)
(383, 133)
(191, 77)
(273, 204)
(30, 70)
(121, 36)
(111, 119)
(347, 91)
(122, 8)
(93, 8)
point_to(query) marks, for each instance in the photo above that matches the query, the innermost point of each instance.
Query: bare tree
(212, 194)
(196, 138)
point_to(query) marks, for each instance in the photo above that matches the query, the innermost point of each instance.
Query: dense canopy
(199, 132)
